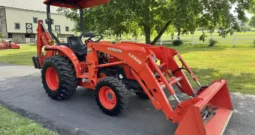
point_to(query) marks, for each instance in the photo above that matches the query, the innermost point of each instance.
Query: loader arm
(157, 78)
(143, 67)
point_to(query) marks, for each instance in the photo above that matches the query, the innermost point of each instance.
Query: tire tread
(121, 92)
(67, 76)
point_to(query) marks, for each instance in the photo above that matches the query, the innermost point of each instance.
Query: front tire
(112, 96)
(59, 78)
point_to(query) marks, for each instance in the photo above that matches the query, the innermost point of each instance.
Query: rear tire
(112, 96)
(59, 78)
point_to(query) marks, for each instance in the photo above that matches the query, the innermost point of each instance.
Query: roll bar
(76, 4)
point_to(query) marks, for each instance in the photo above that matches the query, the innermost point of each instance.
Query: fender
(68, 53)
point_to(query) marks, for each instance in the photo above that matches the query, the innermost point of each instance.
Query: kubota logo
(135, 58)
(115, 50)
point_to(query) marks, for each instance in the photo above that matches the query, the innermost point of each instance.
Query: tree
(126, 16)
(252, 21)
(185, 16)
(152, 18)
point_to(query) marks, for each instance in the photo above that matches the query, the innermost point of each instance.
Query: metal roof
(34, 5)
(74, 3)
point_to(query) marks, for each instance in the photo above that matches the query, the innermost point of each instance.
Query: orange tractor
(113, 70)
(7, 44)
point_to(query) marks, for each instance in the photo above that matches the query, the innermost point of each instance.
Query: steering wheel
(92, 35)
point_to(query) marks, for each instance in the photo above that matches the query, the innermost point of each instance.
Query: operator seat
(76, 45)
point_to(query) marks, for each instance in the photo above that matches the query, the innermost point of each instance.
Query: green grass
(13, 124)
(236, 65)
(21, 56)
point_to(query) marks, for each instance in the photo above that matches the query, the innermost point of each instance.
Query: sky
(247, 14)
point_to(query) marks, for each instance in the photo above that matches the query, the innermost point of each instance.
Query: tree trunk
(147, 32)
(161, 33)
(211, 34)
(179, 34)
(172, 36)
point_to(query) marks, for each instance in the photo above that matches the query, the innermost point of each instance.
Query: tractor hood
(74, 3)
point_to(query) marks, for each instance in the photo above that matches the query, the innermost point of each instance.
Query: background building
(18, 20)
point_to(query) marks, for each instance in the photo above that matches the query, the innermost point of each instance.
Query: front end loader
(113, 70)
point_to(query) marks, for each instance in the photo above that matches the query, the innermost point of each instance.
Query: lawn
(236, 65)
(21, 56)
(13, 124)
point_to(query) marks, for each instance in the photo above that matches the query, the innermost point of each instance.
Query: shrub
(212, 42)
(1, 36)
(177, 42)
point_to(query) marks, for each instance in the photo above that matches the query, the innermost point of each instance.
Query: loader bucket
(214, 100)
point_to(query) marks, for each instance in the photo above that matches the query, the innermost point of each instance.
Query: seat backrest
(75, 43)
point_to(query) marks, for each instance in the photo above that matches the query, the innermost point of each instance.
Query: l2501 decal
(135, 58)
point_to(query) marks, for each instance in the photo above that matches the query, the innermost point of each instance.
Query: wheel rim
(52, 78)
(107, 97)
